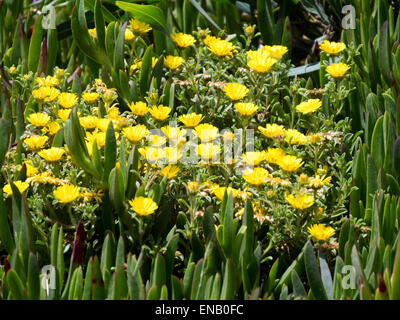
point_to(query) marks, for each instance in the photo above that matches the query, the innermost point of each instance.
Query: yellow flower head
(63, 114)
(113, 113)
(276, 51)
(219, 47)
(206, 132)
(92, 32)
(36, 142)
(183, 40)
(139, 28)
(174, 133)
(320, 232)
(103, 123)
(172, 62)
(52, 154)
(45, 94)
(235, 91)
(100, 138)
(293, 136)
(51, 128)
(192, 187)
(21, 186)
(88, 122)
(173, 154)
(153, 154)
(309, 106)
(257, 176)
(253, 158)
(272, 130)
(261, 62)
(143, 206)
(337, 70)
(290, 163)
(246, 109)
(332, 48)
(208, 151)
(319, 181)
(90, 97)
(191, 120)
(139, 108)
(136, 133)
(220, 192)
(39, 119)
(67, 100)
(170, 171)
(129, 35)
(160, 112)
(66, 193)
(157, 140)
(48, 81)
(300, 201)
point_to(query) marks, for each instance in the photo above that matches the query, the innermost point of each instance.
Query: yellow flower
(249, 30)
(113, 113)
(67, 100)
(290, 163)
(139, 108)
(272, 130)
(21, 186)
(63, 114)
(52, 154)
(276, 51)
(206, 132)
(156, 140)
(192, 187)
(88, 122)
(30, 169)
(39, 119)
(45, 94)
(66, 193)
(172, 62)
(208, 151)
(337, 70)
(228, 136)
(153, 154)
(143, 206)
(92, 32)
(103, 123)
(246, 109)
(136, 133)
(319, 181)
(253, 158)
(314, 138)
(257, 176)
(138, 27)
(301, 201)
(90, 97)
(52, 128)
(332, 48)
(191, 120)
(160, 113)
(293, 136)
(220, 192)
(261, 62)
(170, 171)
(235, 91)
(183, 40)
(128, 35)
(173, 154)
(303, 178)
(100, 138)
(309, 106)
(173, 133)
(320, 232)
(219, 47)
(49, 81)
(210, 185)
(36, 142)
